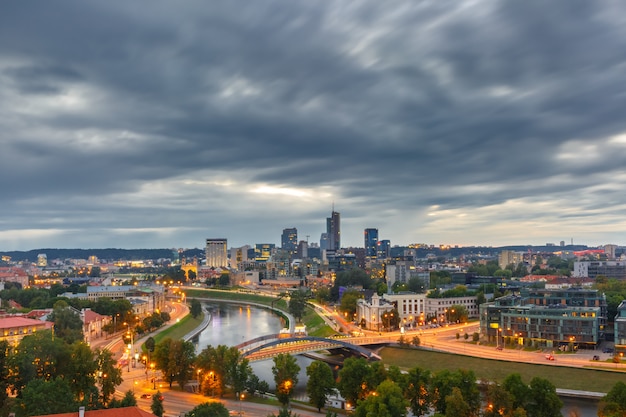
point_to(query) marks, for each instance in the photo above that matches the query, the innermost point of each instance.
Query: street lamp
(153, 375)
(241, 397)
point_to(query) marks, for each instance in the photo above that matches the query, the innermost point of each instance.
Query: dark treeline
(109, 254)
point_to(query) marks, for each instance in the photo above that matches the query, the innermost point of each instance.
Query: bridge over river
(268, 346)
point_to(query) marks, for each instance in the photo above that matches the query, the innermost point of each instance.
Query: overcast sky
(159, 124)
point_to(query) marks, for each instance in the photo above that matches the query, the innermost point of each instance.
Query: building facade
(14, 329)
(371, 243)
(333, 230)
(289, 239)
(508, 257)
(369, 313)
(591, 269)
(216, 253)
(546, 318)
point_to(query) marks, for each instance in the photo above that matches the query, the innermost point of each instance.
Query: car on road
(550, 357)
(146, 396)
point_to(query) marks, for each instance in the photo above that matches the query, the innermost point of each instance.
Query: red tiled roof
(111, 412)
(91, 316)
(9, 322)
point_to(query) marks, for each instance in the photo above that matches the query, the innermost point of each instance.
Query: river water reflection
(233, 324)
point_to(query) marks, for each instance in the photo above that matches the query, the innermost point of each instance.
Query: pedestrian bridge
(268, 346)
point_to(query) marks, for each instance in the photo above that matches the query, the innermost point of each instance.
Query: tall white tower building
(216, 253)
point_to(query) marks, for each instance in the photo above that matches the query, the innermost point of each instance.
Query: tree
(129, 400)
(614, 402)
(196, 308)
(416, 392)
(67, 323)
(320, 384)
(4, 373)
(348, 302)
(386, 402)
(285, 372)
(416, 285)
(519, 391)
(353, 380)
(175, 359)
(109, 374)
(41, 397)
(212, 361)
(212, 409)
(284, 412)
(322, 295)
(39, 356)
(157, 404)
(297, 304)
(81, 370)
(499, 401)
(544, 402)
(150, 344)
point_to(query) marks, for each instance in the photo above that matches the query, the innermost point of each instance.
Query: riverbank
(566, 378)
(315, 325)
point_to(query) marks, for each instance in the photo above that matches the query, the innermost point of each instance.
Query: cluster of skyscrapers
(293, 251)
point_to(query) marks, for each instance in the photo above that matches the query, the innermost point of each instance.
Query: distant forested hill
(107, 254)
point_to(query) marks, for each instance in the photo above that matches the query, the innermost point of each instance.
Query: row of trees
(47, 375)
(388, 392)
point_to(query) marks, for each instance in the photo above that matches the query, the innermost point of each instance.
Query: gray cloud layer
(159, 124)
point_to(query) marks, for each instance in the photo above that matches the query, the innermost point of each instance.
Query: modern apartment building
(289, 239)
(546, 318)
(591, 269)
(216, 253)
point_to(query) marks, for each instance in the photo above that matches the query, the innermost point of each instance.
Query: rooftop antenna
(307, 239)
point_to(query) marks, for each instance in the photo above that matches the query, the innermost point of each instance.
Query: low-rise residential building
(93, 324)
(14, 274)
(14, 329)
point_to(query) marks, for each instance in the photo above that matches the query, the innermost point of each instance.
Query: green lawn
(594, 380)
(180, 329)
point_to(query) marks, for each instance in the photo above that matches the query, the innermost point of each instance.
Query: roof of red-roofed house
(11, 322)
(91, 316)
(110, 412)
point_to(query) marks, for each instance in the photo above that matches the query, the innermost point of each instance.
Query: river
(233, 324)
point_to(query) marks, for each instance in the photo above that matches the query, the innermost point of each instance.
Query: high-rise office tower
(333, 229)
(216, 253)
(371, 243)
(289, 239)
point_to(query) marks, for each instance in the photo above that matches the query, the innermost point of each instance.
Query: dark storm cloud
(397, 107)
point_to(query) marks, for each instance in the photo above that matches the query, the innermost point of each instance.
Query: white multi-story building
(438, 308)
(411, 307)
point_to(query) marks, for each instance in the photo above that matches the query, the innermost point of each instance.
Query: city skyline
(460, 123)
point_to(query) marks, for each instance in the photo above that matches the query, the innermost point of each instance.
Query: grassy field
(180, 329)
(493, 370)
